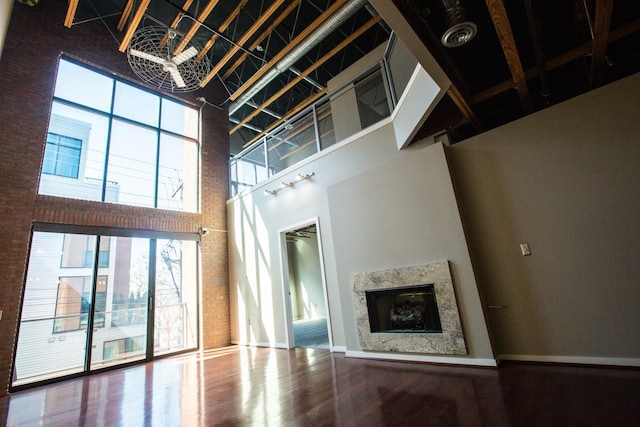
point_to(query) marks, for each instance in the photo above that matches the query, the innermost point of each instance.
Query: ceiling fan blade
(147, 56)
(177, 78)
(184, 55)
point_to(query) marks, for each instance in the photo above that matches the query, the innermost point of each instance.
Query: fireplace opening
(410, 309)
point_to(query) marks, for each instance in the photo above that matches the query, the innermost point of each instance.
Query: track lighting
(284, 184)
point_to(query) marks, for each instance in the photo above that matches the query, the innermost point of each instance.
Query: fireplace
(410, 309)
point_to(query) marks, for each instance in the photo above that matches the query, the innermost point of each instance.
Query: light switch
(524, 248)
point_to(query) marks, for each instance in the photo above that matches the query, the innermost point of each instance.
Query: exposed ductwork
(327, 27)
(459, 30)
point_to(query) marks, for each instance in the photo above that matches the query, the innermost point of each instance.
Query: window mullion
(92, 305)
(106, 150)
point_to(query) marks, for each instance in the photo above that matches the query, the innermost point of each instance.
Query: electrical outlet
(524, 248)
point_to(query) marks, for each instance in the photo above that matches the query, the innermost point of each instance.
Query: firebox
(410, 309)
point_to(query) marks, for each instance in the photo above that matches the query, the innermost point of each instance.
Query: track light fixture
(284, 184)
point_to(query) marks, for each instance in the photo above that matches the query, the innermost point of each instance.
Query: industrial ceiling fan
(151, 54)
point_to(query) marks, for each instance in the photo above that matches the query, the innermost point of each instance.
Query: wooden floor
(241, 386)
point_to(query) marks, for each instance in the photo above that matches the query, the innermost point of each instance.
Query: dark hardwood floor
(240, 386)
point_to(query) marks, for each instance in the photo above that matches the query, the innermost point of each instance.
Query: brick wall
(35, 39)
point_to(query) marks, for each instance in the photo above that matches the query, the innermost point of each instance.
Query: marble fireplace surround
(449, 342)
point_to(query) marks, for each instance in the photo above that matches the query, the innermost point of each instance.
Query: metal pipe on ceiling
(320, 33)
(536, 37)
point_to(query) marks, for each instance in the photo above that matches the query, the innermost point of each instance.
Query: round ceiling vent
(459, 34)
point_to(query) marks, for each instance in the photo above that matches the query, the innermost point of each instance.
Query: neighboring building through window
(114, 142)
(62, 155)
(73, 303)
(78, 251)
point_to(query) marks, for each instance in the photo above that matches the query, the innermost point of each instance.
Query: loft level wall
(35, 38)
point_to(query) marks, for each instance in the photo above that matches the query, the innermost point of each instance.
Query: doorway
(307, 309)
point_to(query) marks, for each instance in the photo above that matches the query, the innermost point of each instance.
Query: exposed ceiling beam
(357, 33)
(206, 11)
(133, 26)
(128, 8)
(558, 61)
(263, 36)
(221, 29)
(302, 105)
(510, 50)
(176, 20)
(244, 39)
(601, 24)
(294, 43)
(71, 13)
(463, 106)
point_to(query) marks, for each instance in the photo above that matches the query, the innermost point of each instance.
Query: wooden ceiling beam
(463, 106)
(204, 13)
(292, 45)
(261, 38)
(510, 50)
(133, 26)
(71, 13)
(302, 105)
(558, 61)
(357, 33)
(244, 39)
(601, 25)
(128, 8)
(221, 29)
(174, 23)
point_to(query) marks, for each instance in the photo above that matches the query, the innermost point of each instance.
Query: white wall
(565, 180)
(377, 208)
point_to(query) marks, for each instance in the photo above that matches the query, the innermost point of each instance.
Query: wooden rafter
(176, 20)
(302, 105)
(508, 43)
(558, 61)
(128, 8)
(71, 13)
(204, 13)
(294, 43)
(601, 24)
(244, 39)
(357, 33)
(222, 28)
(133, 26)
(463, 106)
(261, 38)
(174, 23)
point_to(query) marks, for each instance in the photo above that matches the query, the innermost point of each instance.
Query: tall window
(112, 141)
(141, 300)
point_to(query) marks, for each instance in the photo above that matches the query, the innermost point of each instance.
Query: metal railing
(315, 128)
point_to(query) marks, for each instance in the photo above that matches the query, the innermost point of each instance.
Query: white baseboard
(339, 349)
(579, 360)
(422, 358)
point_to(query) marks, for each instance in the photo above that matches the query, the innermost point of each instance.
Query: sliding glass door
(97, 300)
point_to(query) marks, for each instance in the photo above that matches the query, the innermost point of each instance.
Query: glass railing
(359, 104)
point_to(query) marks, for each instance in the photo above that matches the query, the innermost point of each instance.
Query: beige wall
(567, 181)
